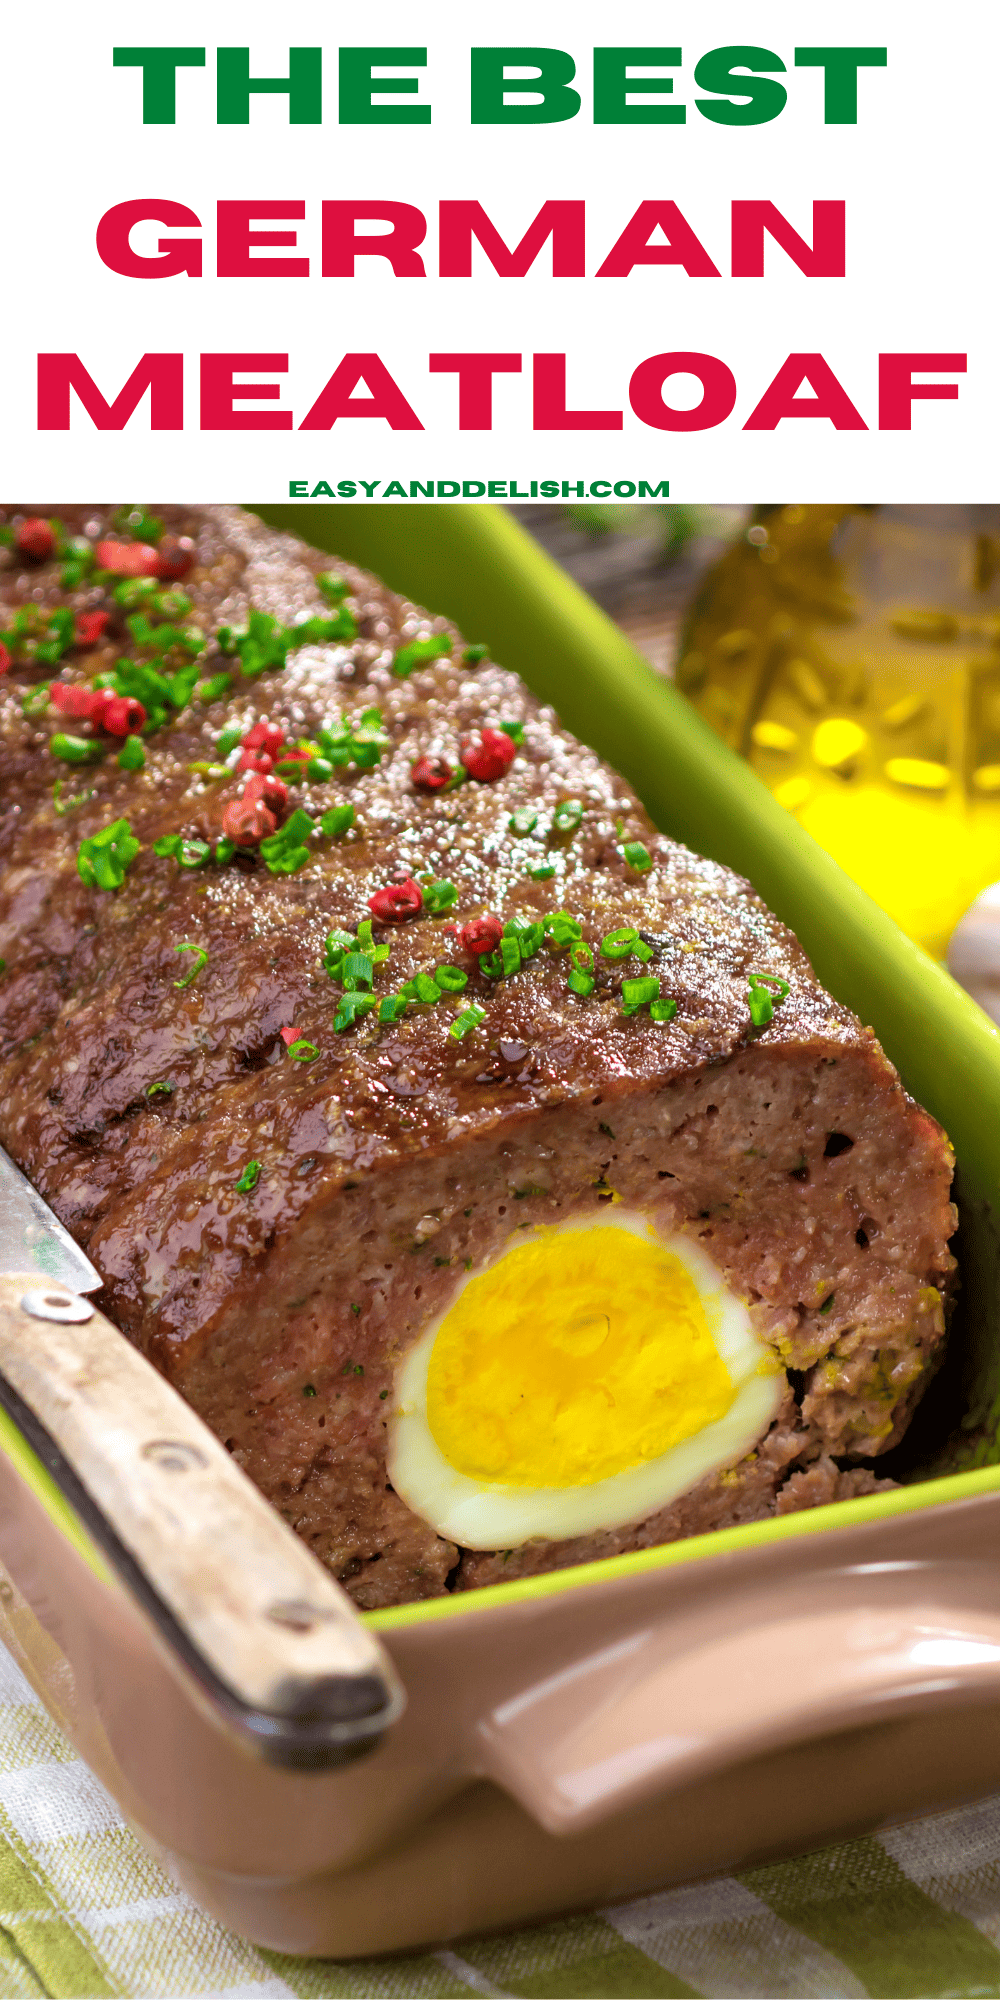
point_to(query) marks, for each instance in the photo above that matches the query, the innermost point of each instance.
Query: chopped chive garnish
(423, 988)
(620, 943)
(567, 816)
(162, 1089)
(580, 982)
(467, 1020)
(515, 730)
(352, 1007)
(473, 656)
(67, 805)
(529, 937)
(663, 1010)
(378, 953)
(227, 741)
(36, 700)
(451, 978)
(562, 929)
(393, 1007)
(131, 756)
(249, 1177)
(638, 856)
(510, 953)
(194, 854)
(201, 958)
(767, 991)
(638, 993)
(76, 749)
(336, 822)
(357, 972)
(285, 852)
(333, 587)
(581, 957)
(438, 897)
(827, 1303)
(524, 820)
(308, 1389)
(334, 947)
(224, 850)
(102, 861)
(135, 521)
(303, 1051)
(133, 590)
(418, 653)
(541, 872)
(187, 853)
(319, 770)
(213, 690)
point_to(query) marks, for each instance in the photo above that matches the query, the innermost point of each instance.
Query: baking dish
(586, 1736)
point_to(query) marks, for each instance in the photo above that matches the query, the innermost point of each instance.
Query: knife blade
(32, 1238)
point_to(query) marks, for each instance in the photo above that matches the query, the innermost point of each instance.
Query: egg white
(483, 1515)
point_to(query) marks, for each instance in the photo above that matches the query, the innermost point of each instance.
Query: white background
(918, 173)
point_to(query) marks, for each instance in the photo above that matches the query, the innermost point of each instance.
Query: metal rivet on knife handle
(173, 1455)
(61, 1306)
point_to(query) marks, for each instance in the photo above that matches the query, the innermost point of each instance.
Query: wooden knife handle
(272, 1642)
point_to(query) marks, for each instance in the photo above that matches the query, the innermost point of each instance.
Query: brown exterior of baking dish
(712, 1706)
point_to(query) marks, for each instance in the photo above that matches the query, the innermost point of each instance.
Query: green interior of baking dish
(478, 566)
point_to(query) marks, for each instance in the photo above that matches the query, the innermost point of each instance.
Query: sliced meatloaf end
(281, 1202)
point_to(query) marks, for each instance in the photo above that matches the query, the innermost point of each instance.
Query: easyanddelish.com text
(479, 489)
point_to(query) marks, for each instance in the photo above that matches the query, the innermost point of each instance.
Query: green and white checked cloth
(85, 1912)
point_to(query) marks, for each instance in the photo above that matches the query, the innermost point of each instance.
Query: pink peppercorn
(118, 714)
(78, 702)
(90, 626)
(127, 558)
(430, 774)
(481, 936)
(398, 901)
(4, 658)
(266, 736)
(247, 822)
(490, 758)
(264, 785)
(35, 539)
(174, 557)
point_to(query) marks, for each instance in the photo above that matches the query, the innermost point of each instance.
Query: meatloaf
(285, 1147)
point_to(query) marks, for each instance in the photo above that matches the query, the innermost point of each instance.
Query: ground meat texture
(790, 1151)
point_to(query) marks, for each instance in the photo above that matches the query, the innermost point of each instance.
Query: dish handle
(265, 1638)
(669, 1705)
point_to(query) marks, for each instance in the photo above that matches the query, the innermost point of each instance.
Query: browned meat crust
(792, 1152)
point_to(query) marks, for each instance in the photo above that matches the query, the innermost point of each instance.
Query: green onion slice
(201, 958)
(638, 856)
(467, 1020)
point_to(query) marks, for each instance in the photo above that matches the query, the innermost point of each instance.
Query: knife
(264, 1634)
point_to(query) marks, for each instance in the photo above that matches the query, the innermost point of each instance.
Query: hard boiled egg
(593, 1373)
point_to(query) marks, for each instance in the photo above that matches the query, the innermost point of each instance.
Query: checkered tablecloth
(84, 1911)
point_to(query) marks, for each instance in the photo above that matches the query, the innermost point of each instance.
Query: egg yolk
(580, 1354)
